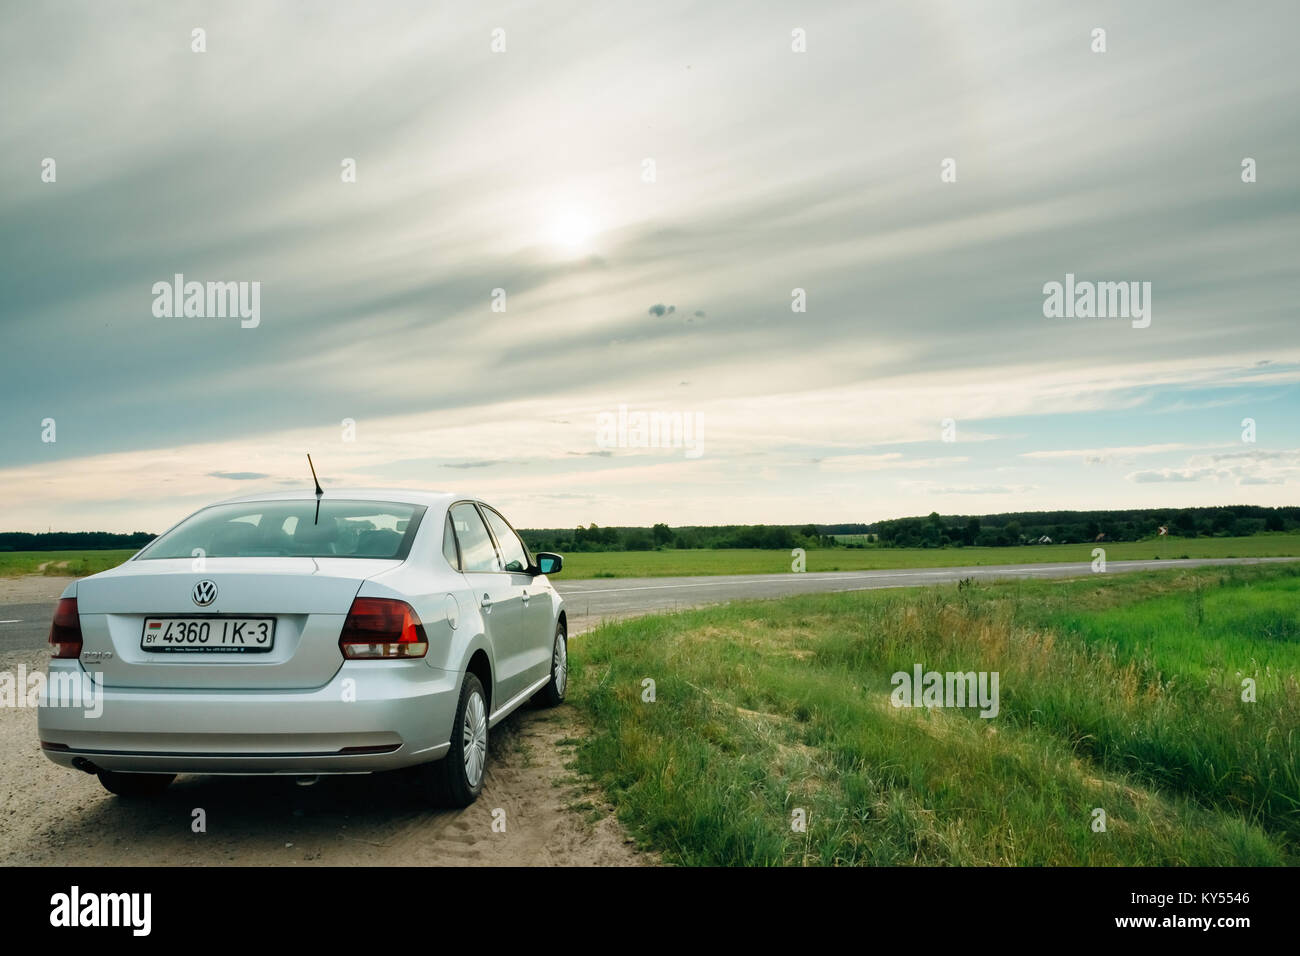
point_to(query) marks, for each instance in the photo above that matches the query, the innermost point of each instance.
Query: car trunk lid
(307, 599)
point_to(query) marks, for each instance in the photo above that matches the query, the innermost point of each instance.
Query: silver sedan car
(305, 634)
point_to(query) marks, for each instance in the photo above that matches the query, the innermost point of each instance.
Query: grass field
(75, 563)
(1123, 694)
(645, 564)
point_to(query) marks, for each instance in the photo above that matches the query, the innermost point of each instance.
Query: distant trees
(1081, 526)
(1185, 523)
(638, 539)
(72, 540)
(659, 536)
(932, 531)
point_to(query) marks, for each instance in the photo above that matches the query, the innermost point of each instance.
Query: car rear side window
(449, 544)
(477, 552)
(513, 552)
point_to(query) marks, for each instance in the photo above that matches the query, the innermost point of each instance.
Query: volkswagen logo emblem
(204, 593)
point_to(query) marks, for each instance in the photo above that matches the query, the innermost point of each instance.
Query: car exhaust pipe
(307, 781)
(84, 765)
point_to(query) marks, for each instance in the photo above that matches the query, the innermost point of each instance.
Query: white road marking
(14, 621)
(655, 587)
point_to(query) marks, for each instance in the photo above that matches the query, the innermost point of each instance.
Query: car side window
(449, 544)
(513, 552)
(476, 550)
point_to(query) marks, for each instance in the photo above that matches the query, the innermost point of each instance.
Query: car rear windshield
(281, 529)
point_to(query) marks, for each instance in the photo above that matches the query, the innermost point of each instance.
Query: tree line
(1069, 527)
(661, 536)
(932, 531)
(72, 540)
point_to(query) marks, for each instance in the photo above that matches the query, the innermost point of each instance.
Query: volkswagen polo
(308, 634)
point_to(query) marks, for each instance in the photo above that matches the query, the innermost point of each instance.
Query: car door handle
(525, 595)
(486, 603)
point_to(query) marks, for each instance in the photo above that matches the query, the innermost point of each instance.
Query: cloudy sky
(526, 169)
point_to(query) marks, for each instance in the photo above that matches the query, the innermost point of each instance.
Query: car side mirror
(548, 563)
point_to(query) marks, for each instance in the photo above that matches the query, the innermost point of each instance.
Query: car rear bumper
(373, 715)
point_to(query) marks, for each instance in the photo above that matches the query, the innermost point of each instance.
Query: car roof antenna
(319, 492)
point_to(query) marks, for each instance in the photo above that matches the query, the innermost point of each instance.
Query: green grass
(74, 563)
(1116, 693)
(671, 563)
(643, 564)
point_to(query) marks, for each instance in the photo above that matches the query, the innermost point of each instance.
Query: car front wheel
(553, 693)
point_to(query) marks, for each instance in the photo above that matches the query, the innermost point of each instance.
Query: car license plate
(213, 635)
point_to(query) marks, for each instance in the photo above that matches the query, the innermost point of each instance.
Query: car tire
(552, 694)
(457, 779)
(135, 784)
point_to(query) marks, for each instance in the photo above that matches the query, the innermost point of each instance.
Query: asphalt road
(26, 626)
(590, 601)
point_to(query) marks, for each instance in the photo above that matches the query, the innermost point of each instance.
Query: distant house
(1100, 537)
(1044, 540)
(1162, 531)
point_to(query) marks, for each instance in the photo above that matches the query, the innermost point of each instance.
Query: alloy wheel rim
(475, 738)
(560, 664)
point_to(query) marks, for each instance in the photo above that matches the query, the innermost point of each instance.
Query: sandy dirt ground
(31, 588)
(535, 809)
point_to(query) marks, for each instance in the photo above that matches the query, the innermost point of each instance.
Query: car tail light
(382, 628)
(65, 632)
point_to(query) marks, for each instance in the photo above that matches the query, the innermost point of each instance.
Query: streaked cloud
(523, 172)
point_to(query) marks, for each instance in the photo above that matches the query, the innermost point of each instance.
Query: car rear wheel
(135, 784)
(553, 693)
(457, 779)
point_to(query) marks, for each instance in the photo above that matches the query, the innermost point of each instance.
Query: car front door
(496, 595)
(535, 633)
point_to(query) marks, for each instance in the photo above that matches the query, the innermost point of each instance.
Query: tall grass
(765, 708)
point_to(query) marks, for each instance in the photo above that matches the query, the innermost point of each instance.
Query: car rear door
(496, 596)
(535, 633)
